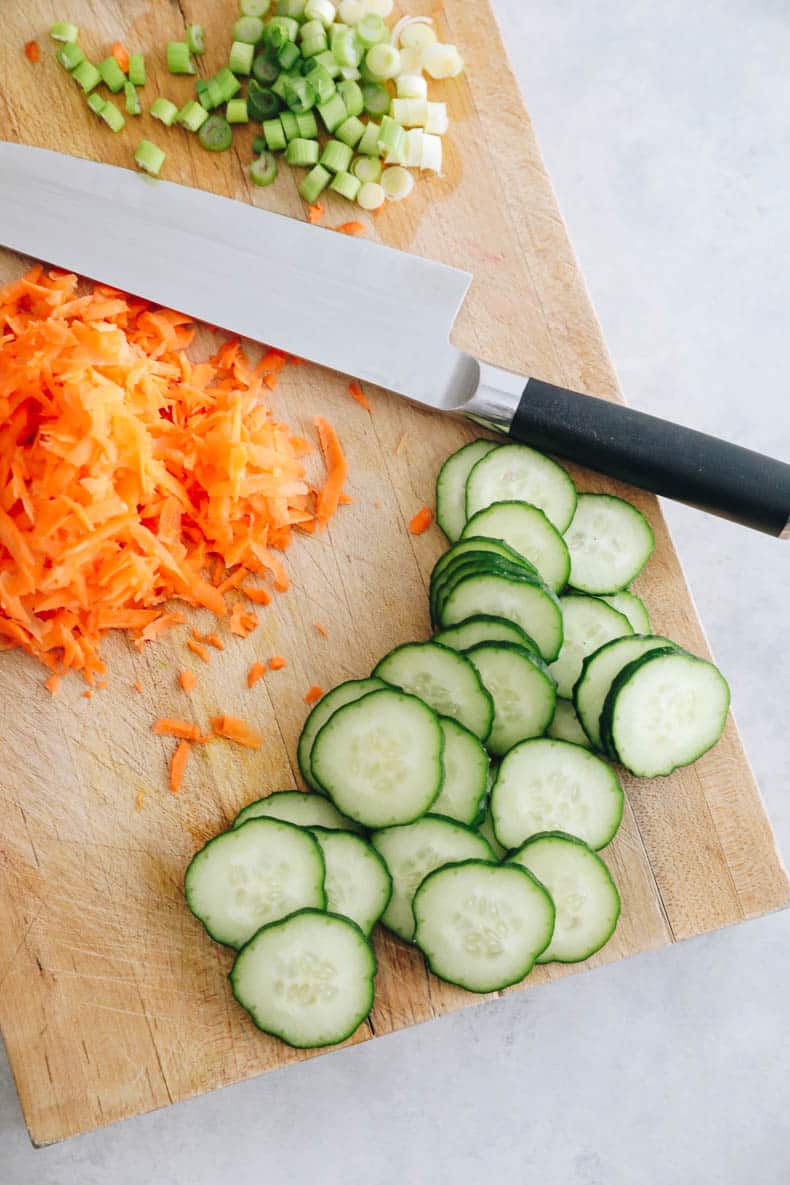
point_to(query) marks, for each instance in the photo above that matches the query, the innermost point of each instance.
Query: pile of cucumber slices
(461, 794)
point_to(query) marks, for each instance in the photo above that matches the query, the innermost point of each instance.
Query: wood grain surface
(112, 999)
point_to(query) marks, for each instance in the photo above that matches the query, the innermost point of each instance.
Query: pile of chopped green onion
(332, 86)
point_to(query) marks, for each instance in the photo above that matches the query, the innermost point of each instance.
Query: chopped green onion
(346, 184)
(278, 86)
(240, 57)
(306, 123)
(320, 10)
(289, 124)
(411, 149)
(336, 156)
(302, 153)
(352, 11)
(314, 45)
(311, 29)
(64, 31)
(87, 75)
(216, 134)
(437, 121)
(369, 144)
(397, 183)
(192, 116)
(390, 136)
(379, 7)
(442, 61)
(163, 110)
(263, 171)
(291, 8)
(70, 56)
(377, 99)
(350, 73)
(371, 30)
(299, 95)
(411, 113)
(411, 61)
(383, 61)
(236, 111)
(351, 131)
(248, 29)
(201, 90)
(265, 69)
(411, 86)
(259, 145)
(132, 99)
(431, 153)
(279, 30)
(333, 113)
(96, 104)
(322, 82)
(196, 39)
(216, 92)
(254, 7)
(228, 83)
(351, 94)
(367, 168)
(137, 70)
(327, 60)
(179, 60)
(148, 157)
(112, 117)
(112, 75)
(345, 48)
(371, 196)
(314, 183)
(417, 34)
(261, 103)
(289, 55)
(274, 135)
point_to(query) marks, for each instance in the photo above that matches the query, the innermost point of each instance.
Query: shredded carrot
(52, 683)
(199, 649)
(357, 393)
(160, 624)
(258, 595)
(138, 687)
(215, 641)
(196, 634)
(337, 471)
(121, 55)
(178, 763)
(242, 621)
(313, 694)
(88, 694)
(164, 727)
(350, 228)
(236, 730)
(323, 631)
(32, 52)
(256, 672)
(139, 800)
(421, 521)
(277, 663)
(315, 212)
(101, 684)
(187, 679)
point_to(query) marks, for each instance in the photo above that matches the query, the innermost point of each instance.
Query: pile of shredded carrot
(131, 475)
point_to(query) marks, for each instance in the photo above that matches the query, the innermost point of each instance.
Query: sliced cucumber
(295, 806)
(533, 607)
(664, 710)
(565, 725)
(466, 771)
(357, 882)
(610, 542)
(527, 530)
(444, 679)
(471, 551)
(517, 473)
(479, 926)
(581, 887)
(380, 758)
(255, 874)
(411, 852)
(546, 785)
(632, 607)
(478, 564)
(599, 671)
(338, 697)
(587, 622)
(307, 980)
(451, 486)
(521, 688)
(486, 828)
(484, 628)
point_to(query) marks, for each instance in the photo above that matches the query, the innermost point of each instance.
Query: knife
(356, 307)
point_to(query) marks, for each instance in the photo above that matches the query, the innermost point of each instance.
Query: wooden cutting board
(112, 999)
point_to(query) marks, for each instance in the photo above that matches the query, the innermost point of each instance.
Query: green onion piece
(311, 29)
(263, 171)
(345, 47)
(351, 131)
(431, 157)
(248, 29)
(261, 103)
(148, 157)
(299, 95)
(201, 90)
(265, 69)
(179, 60)
(163, 110)
(371, 30)
(87, 75)
(291, 8)
(215, 91)
(64, 31)
(216, 134)
(412, 86)
(390, 137)
(314, 45)
(279, 30)
(307, 125)
(351, 94)
(254, 7)
(236, 111)
(259, 145)
(437, 122)
(383, 61)
(321, 81)
(369, 144)
(352, 11)
(314, 183)
(289, 125)
(278, 86)
(70, 56)
(302, 153)
(96, 104)
(274, 135)
(112, 117)
(411, 151)
(132, 99)
(228, 83)
(346, 184)
(289, 55)
(196, 39)
(411, 113)
(192, 116)
(367, 168)
(333, 113)
(320, 10)
(137, 71)
(326, 59)
(371, 196)
(240, 57)
(336, 156)
(397, 183)
(376, 98)
(112, 75)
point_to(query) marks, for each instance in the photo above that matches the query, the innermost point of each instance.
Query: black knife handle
(656, 455)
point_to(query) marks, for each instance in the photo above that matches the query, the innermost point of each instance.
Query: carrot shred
(242, 621)
(165, 727)
(121, 55)
(138, 687)
(259, 596)
(32, 51)
(277, 663)
(256, 672)
(314, 693)
(350, 228)
(315, 212)
(199, 649)
(323, 631)
(52, 683)
(215, 641)
(421, 521)
(178, 763)
(88, 694)
(187, 679)
(233, 729)
(101, 685)
(337, 471)
(357, 393)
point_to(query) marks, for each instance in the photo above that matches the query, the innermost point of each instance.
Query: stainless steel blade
(351, 305)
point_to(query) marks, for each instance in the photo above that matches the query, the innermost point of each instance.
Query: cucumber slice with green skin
(297, 807)
(546, 785)
(517, 473)
(451, 486)
(380, 758)
(486, 828)
(527, 530)
(252, 875)
(565, 725)
(521, 688)
(485, 628)
(479, 926)
(533, 607)
(632, 607)
(357, 882)
(338, 697)
(584, 895)
(443, 679)
(476, 565)
(598, 673)
(610, 542)
(587, 623)
(307, 979)
(466, 770)
(665, 710)
(411, 852)
(471, 550)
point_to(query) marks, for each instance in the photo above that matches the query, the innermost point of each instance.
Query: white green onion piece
(350, 73)
(381, 8)
(371, 31)
(254, 7)
(371, 196)
(383, 61)
(248, 29)
(367, 168)
(442, 61)
(412, 148)
(411, 113)
(351, 11)
(240, 57)
(431, 153)
(437, 121)
(411, 60)
(397, 183)
(411, 86)
(320, 10)
(415, 32)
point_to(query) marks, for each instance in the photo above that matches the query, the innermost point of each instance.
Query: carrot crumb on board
(88, 694)
(139, 800)
(178, 763)
(215, 641)
(323, 631)
(32, 52)
(256, 672)
(101, 685)
(165, 727)
(138, 687)
(314, 693)
(196, 634)
(121, 55)
(278, 662)
(259, 596)
(52, 683)
(242, 621)
(350, 228)
(187, 679)
(357, 393)
(233, 729)
(337, 471)
(199, 649)
(315, 212)
(421, 521)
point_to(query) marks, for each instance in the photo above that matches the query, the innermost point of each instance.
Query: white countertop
(665, 128)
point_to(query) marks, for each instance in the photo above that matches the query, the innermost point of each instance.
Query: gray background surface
(665, 128)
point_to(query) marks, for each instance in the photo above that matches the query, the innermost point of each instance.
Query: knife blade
(357, 307)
